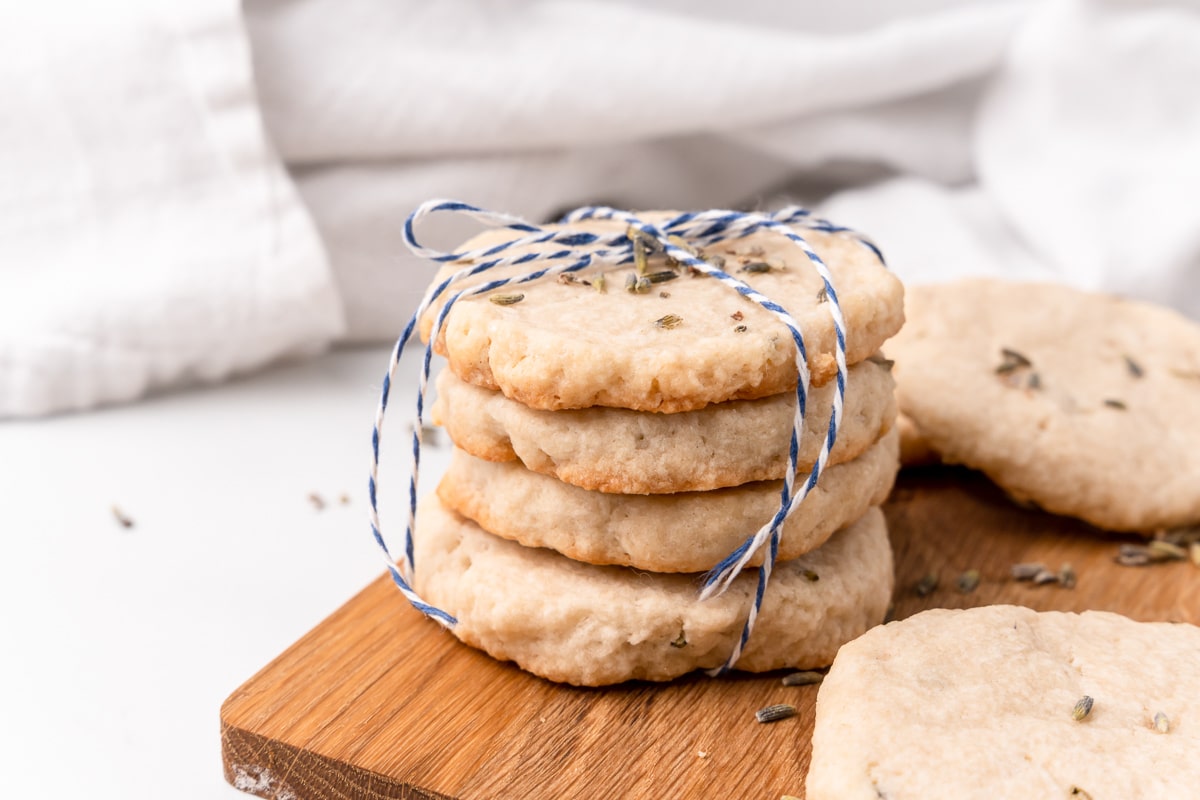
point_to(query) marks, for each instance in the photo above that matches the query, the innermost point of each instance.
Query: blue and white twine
(564, 250)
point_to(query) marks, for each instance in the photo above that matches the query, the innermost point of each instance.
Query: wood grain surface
(377, 702)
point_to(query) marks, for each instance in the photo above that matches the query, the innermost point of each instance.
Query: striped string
(562, 250)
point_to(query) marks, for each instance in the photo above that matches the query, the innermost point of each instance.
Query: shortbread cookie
(1085, 404)
(979, 704)
(638, 452)
(567, 345)
(685, 532)
(589, 625)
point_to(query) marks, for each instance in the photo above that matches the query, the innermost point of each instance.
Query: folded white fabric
(359, 79)
(530, 107)
(148, 234)
(1077, 164)
(1089, 145)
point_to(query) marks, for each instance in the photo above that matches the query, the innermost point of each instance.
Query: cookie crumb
(318, 502)
(701, 754)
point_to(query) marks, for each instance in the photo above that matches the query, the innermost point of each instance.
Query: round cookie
(684, 532)
(566, 345)
(592, 626)
(978, 704)
(1084, 404)
(637, 452)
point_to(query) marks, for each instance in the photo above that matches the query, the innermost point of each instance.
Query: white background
(121, 644)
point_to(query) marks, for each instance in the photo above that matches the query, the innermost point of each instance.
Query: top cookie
(1085, 404)
(567, 345)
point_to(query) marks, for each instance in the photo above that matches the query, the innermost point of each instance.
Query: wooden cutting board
(377, 702)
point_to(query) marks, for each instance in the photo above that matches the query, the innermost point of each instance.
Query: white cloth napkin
(358, 79)
(1087, 148)
(1058, 140)
(532, 107)
(1089, 144)
(148, 235)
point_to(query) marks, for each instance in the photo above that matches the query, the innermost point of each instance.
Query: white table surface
(119, 645)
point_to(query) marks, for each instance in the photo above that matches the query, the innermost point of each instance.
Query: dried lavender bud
(806, 678)
(1082, 708)
(775, 712)
(506, 299)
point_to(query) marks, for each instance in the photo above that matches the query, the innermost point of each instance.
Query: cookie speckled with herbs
(566, 345)
(633, 452)
(1085, 404)
(1004, 701)
(681, 532)
(592, 626)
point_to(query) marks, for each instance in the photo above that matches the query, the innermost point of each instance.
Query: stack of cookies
(613, 444)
